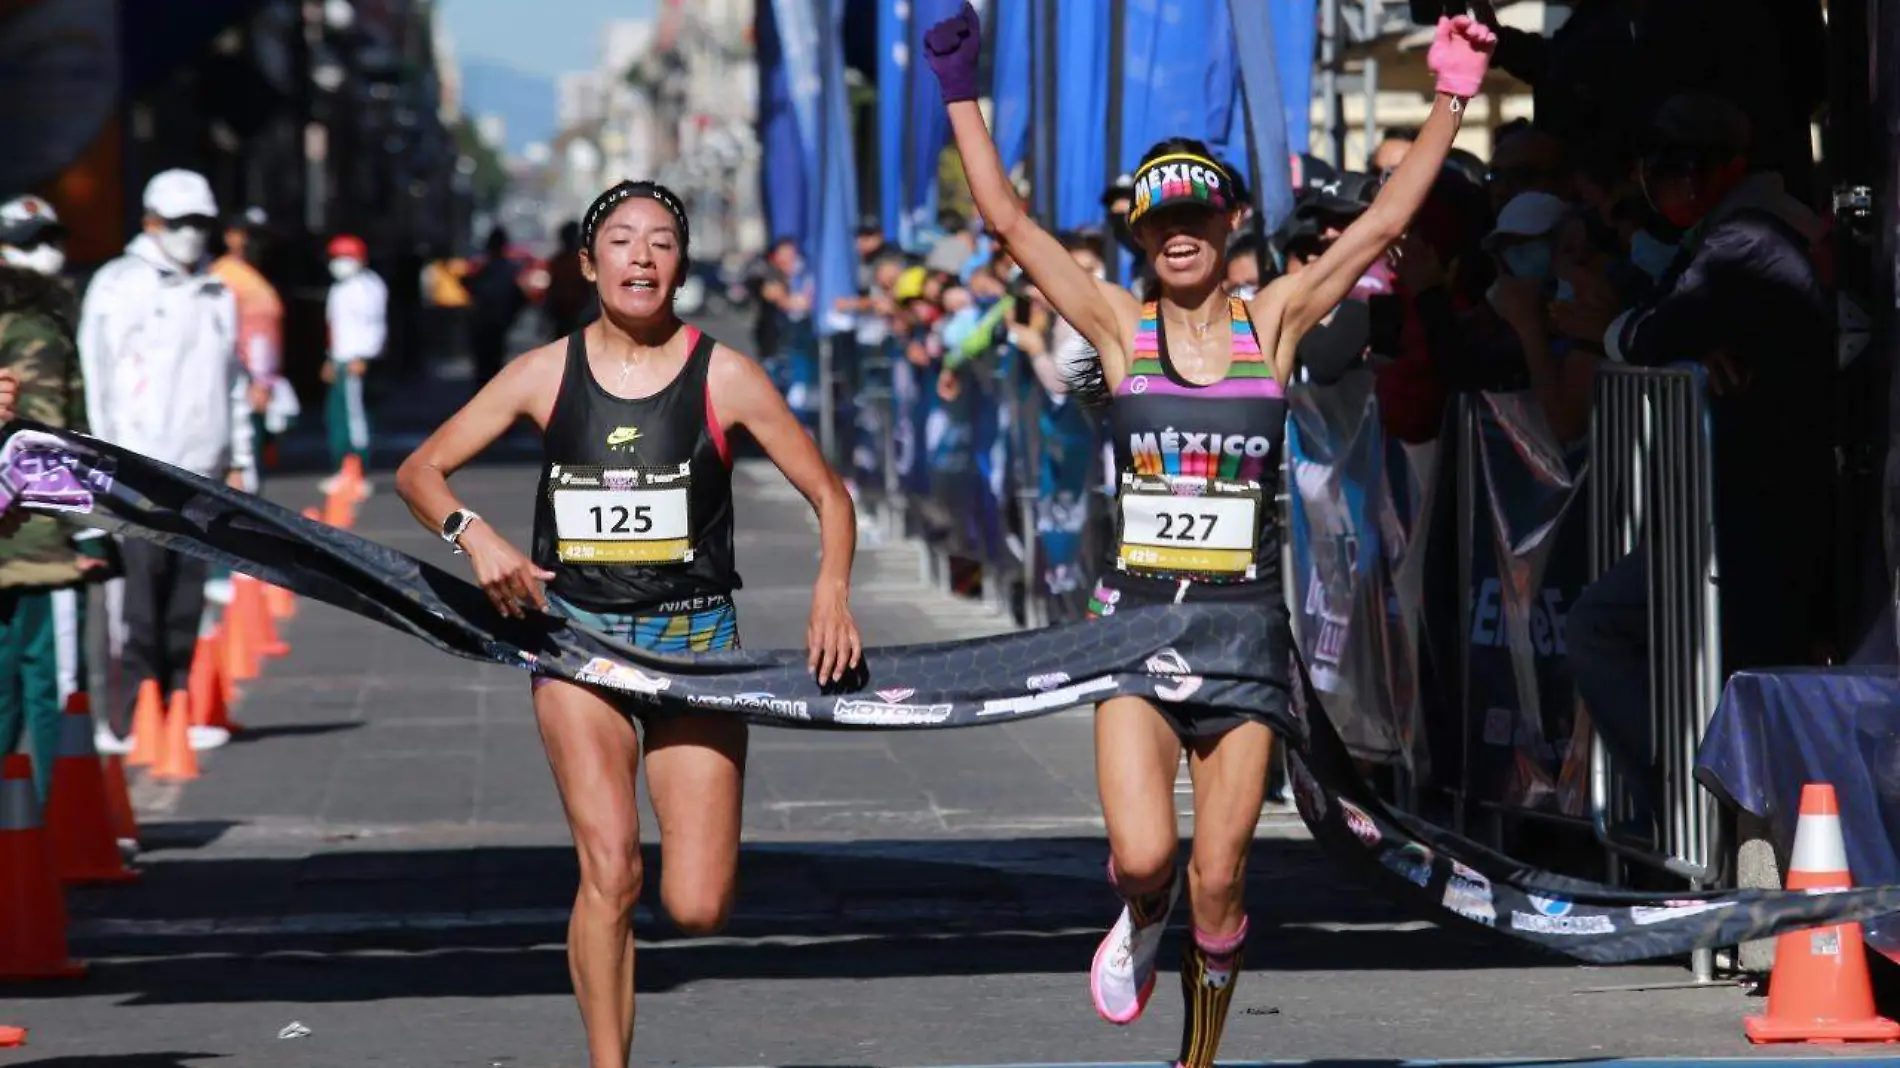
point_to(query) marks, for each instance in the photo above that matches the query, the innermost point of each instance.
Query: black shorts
(1190, 720)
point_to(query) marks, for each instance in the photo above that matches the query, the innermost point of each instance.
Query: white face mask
(46, 259)
(184, 247)
(342, 270)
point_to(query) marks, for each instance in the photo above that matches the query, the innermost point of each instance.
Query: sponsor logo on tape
(603, 671)
(1409, 861)
(889, 714)
(1468, 894)
(753, 702)
(1553, 917)
(1049, 681)
(1644, 915)
(1360, 824)
(1077, 693)
(895, 696)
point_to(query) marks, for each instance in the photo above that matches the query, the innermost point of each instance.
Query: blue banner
(1081, 107)
(1264, 76)
(833, 253)
(929, 130)
(783, 176)
(1295, 33)
(1179, 79)
(1010, 89)
(894, 45)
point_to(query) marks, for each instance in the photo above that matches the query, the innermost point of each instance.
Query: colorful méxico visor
(1180, 178)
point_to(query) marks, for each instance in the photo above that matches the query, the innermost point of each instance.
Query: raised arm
(953, 47)
(1459, 56)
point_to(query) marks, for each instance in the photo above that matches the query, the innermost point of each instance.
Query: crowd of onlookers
(1660, 208)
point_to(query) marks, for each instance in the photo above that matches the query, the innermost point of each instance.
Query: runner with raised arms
(633, 538)
(1195, 383)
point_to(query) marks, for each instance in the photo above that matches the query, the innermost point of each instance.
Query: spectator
(497, 300)
(570, 301)
(42, 562)
(1525, 160)
(1743, 298)
(158, 349)
(1390, 150)
(260, 329)
(357, 311)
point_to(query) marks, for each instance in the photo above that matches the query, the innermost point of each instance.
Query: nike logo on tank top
(634, 506)
(1199, 464)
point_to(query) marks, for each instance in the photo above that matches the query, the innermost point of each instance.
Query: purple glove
(952, 47)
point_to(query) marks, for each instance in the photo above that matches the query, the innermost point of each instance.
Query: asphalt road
(380, 859)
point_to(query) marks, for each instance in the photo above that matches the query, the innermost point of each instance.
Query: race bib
(1187, 525)
(622, 515)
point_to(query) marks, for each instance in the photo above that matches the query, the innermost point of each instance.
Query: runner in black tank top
(634, 511)
(1194, 385)
(633, 537)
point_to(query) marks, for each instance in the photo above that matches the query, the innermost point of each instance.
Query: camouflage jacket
(36, 342)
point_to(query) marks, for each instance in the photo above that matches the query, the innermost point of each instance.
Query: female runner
(646, 558)
(1197, 413)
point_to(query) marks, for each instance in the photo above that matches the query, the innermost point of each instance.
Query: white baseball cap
(25, 218)
(1530, 215)
(175, 194)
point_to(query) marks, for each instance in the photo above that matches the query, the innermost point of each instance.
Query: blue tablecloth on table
(1778, 730)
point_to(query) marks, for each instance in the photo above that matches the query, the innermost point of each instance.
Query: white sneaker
(106, 743)
(203, 738)
(1123, 973)
(328, 485)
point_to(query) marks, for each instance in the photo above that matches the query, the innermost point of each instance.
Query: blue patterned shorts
(698, 625)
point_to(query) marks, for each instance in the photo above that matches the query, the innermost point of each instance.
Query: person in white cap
(158, 343)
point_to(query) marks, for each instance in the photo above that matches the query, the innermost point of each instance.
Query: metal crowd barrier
(1651, 461)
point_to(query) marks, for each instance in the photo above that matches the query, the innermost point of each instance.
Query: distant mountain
(526, 102)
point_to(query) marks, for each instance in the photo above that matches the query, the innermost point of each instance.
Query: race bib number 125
(1187, 526)
(622, 515)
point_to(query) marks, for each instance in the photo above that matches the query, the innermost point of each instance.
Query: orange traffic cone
(247, 601)
(1820, 990)
(206, 688)
(32, 905)
(177, 762)
(281, 602)
(148, 726)
(12, 1036)
(337, 510)
(78, 814)
(240, 647)
(352, 479)
(125, 825)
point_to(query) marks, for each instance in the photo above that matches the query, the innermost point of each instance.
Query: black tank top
(1199, 466)
(634, 508)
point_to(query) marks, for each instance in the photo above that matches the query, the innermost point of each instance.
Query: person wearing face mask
(1744, 298)
(43, 562)
(357, 310)
(158, 346)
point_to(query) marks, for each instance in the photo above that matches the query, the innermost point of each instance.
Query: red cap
(349, 246)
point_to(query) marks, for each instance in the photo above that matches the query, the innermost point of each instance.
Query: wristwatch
(456, 525)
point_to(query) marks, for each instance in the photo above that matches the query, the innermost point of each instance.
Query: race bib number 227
(1187, 526)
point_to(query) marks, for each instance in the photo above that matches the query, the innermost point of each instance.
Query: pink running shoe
(1123, 974)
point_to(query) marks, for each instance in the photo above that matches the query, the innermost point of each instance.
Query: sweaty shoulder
(730, 367)
(1268, 311)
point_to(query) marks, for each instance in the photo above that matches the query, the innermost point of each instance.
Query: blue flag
(1081, 109)
(1010, 92)
(894, 46)
(783, 175)
(1263, 79)
(833, 252)
(929, 129)
(1180, 79)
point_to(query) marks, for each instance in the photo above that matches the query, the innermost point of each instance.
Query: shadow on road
(362, 925)
(125, 1060)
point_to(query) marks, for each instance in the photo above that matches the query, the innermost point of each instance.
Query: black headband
(605, 204)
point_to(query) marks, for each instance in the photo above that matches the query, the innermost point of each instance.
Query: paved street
(380, 858)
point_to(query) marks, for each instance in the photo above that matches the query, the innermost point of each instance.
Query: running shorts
(1196, 720)
(698, 625)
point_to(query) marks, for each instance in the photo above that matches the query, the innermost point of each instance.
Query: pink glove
(1461, 51)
